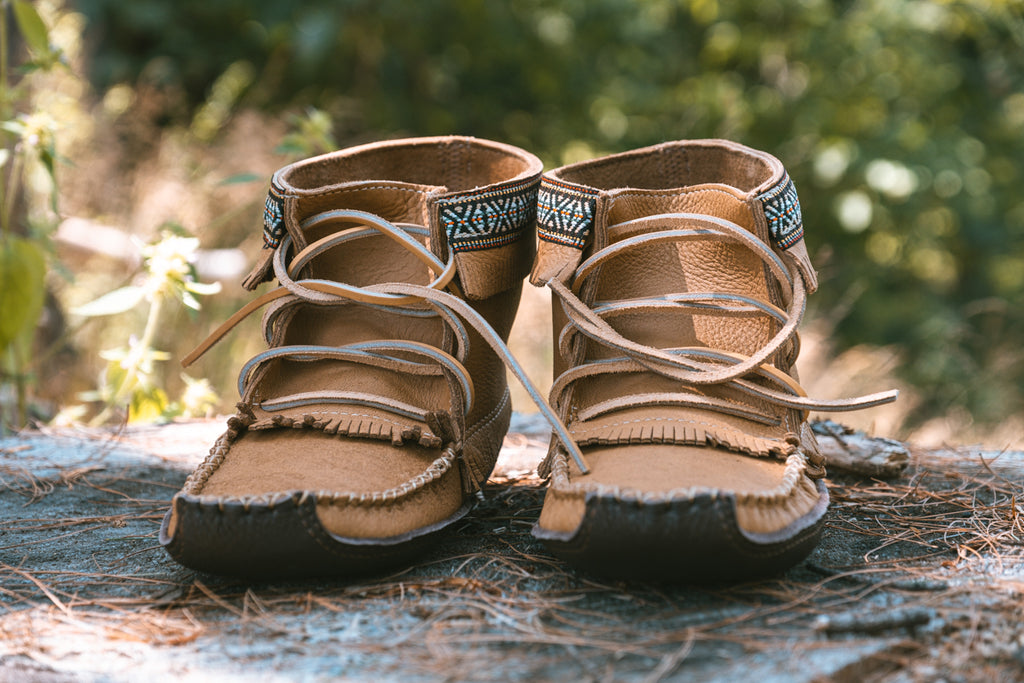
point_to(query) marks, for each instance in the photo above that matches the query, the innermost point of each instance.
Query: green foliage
(309, 135)
(33, 30)
(36, 36)
(22, 274)
(130, 376)
(22, 269)
(27, 140)
(901, 121)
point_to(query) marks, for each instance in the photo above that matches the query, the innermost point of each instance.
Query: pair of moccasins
(680, 448)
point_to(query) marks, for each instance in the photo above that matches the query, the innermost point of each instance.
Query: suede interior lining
(456, 164)
(391, 200)
(670, 166)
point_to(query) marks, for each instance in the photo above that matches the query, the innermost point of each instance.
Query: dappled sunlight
(138, 142)
(901, 125)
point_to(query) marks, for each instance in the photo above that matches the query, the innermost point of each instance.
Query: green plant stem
(220, 220)
(7, 425)
(132, 371)
(4, 194)
(20, 383)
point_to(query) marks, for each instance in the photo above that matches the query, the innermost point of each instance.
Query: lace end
(798, 252)
(544, 468)
(554, 262)
(191, 358)
(859, 403)
(261, 271)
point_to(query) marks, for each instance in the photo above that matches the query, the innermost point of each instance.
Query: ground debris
(858, 453)
(86, 593)
(878, 622)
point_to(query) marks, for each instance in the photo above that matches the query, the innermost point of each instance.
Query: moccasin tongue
(699, 265)
(287, 207)
(717, 180)
(349, 420)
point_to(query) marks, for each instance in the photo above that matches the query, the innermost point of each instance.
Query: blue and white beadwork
(494, 218)
(565, 213)
(782, 210)
(273, 218)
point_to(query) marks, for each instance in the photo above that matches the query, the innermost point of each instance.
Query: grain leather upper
(679, 276)
(380, 404)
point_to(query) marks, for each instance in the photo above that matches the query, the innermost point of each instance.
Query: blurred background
(139, 138)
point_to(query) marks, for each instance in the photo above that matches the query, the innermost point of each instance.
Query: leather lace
(402, 356)
(693, 368)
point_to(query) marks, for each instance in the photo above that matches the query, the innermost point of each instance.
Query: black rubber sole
(283, 540)
(695, 540)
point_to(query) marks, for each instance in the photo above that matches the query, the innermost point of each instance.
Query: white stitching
(494, 414)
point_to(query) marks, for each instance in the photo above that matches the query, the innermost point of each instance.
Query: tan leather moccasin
(380, 405)
(679, 275)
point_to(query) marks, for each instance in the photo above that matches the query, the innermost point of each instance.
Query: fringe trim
(364, 426)
(669, 431)
(356, 425)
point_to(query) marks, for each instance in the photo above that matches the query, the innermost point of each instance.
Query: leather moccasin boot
(679, 276)
(380, 405)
